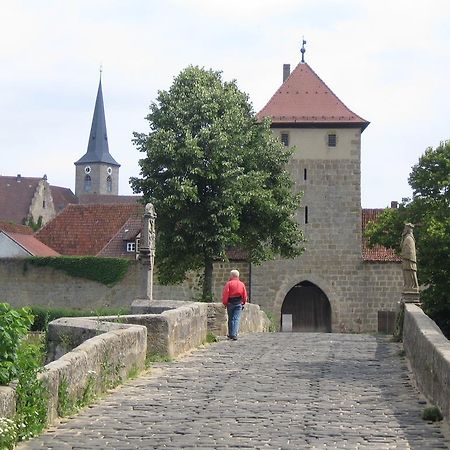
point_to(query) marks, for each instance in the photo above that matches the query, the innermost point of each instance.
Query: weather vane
(303, 49)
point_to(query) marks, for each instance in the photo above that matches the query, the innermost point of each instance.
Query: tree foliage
(429, 210)
(216, 176)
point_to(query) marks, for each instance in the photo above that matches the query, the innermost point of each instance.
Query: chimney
(286, 71)
(19, 178)
(394, 204)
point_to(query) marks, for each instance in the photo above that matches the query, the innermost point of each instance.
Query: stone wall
(356, 290)
(23, 284)
(429, 354)
(97, 351)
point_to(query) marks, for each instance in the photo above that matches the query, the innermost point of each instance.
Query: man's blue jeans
(234, 317)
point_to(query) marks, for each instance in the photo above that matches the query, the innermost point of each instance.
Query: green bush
(31, 394)
(107, 271)
(14, 325)
(43, 315)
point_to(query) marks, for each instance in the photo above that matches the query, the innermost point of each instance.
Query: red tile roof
(16, 194)
(62, 197)
(305, 99)
(116, 247)
(377, 253)
(32, 245)
(86, 229)
(89, 199)
(10, 227)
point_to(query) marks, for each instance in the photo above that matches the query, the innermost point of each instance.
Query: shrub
(14, 325)
(31, 417)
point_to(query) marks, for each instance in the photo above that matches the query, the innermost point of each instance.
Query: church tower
(97, 172)
(320, 290)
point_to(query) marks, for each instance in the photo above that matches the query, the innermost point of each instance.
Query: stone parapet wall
(428, 351)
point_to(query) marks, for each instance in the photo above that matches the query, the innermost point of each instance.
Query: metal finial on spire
(101, 70)
(303, 49)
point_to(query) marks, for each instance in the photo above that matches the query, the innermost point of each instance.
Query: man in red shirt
(234, 297)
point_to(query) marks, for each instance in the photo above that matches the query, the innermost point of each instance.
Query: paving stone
(272, 390)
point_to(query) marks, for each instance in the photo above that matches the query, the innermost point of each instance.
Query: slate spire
(98, 149)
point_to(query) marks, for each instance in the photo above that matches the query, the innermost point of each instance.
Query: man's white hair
(234, 273)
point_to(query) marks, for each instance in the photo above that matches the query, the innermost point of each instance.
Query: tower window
(43, 203)
(306, 214)
(285, 139)
(108, 184)
(332, 140)
(305, 174)
(87, 183)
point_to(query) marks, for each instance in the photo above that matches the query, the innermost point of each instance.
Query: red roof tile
(86, 229)
(32, 245)
(305, 99)
(10, 227)
(88, 199)
(116, 247)
(62, 197)
(16, 194)
(377, 253)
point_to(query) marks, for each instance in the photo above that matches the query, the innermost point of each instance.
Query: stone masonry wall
(333, 252)
(23, 284)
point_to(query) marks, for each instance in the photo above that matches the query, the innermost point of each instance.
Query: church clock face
(87, 169)
(109, 170)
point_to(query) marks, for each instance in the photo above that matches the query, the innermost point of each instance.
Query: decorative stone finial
(303, 50)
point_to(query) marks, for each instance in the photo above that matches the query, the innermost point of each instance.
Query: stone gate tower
(97, 172)
(325, 289)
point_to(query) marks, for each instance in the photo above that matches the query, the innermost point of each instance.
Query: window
(306, 214)
(43, 204)
(332, 139)
(87, 183)
(305, 174)
(285, 139)
(131, 247)
(108, 184)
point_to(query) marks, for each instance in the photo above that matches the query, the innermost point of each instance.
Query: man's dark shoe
(234, 338)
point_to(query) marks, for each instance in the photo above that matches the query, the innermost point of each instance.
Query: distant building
(338, 284)
(24, 199)
(97, 172)
(96, 229)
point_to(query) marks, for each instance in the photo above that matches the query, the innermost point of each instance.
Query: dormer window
(332, 140)
(131, 247)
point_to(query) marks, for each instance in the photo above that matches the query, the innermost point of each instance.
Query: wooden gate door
(310, 308)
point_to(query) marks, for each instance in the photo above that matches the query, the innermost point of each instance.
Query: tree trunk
(207, 280)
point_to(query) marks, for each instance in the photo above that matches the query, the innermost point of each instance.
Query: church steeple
(97, 172)
(98, 149)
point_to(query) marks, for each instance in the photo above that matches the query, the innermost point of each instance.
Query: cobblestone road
(280, 391)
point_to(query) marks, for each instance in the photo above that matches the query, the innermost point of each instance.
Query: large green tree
(217, 178)
(429, 210)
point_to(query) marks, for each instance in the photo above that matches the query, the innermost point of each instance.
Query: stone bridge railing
(96, 353)
(428, 351)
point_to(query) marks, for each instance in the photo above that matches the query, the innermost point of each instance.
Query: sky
(388, 61)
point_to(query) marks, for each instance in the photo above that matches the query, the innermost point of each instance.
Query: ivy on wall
(108, 271)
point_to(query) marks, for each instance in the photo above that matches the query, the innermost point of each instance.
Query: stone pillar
(147, 253)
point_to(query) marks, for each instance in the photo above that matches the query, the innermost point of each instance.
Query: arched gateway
(309, 307)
